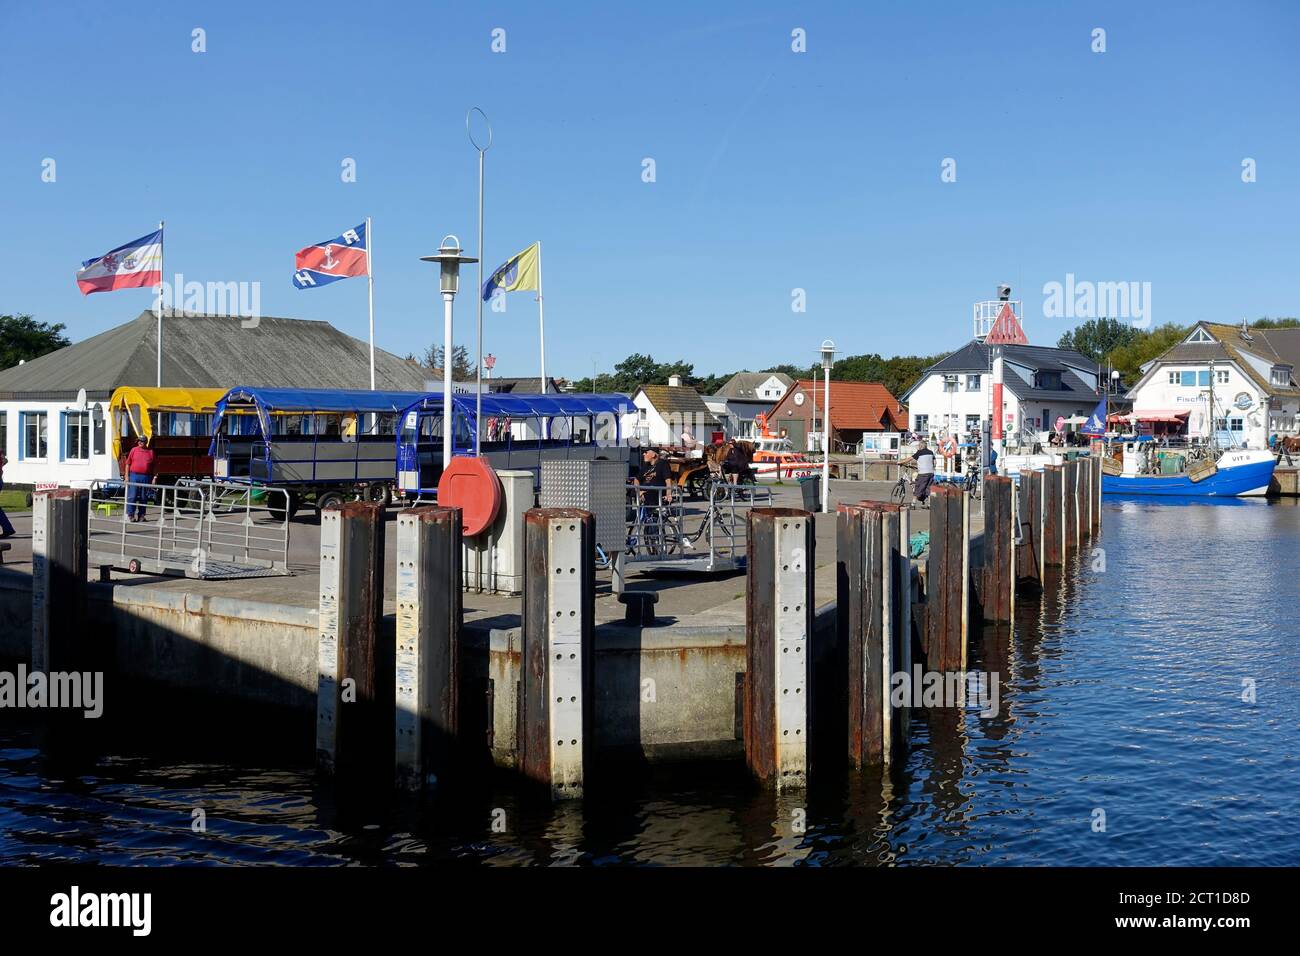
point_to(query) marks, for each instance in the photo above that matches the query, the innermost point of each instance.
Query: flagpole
(162, 278)
(370, 280)
(541, 316)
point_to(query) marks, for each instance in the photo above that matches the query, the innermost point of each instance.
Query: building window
(972, 423)
(972, 383)
(1221, 376)
(1203, 377)
(1281, 377)
(1187, 379)
(923, 424)
(950, 383)
(1235, 424)
(35, 436)
(76, 436)
(1050, 380)
(1173, 378)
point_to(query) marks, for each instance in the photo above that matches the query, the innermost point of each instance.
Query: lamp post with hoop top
(449, 260)
(469, 130)
(828, 359)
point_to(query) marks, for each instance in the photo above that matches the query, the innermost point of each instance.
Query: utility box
(493, 561)
(596, 486)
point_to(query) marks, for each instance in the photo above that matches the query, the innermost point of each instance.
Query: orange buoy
(471, 485)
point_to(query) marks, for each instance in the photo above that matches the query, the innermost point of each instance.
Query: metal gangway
(207, 530)
(672, 534)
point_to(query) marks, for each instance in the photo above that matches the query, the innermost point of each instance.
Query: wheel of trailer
(697, 486)
(283, 512)
(379, 492)
(330, 499)
(133, 565)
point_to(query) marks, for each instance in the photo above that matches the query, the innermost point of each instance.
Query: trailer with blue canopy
(328, 444)
(519, 432)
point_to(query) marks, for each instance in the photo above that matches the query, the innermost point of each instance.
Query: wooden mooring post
(355, 680)
(778, 625)
(946, 580)
(558, 632)
(874, 624)
(1097, 472)
(428, 660)
(1029, 530)
(1053, 516)
(1070, 514)
(59, 560)
(999, 577)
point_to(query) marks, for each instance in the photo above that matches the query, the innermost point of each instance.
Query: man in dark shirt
(658, 473)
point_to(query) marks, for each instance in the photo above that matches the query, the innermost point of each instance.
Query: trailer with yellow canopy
(176, 421)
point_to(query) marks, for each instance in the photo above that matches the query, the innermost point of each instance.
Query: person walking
(139, 470)
(6, 528)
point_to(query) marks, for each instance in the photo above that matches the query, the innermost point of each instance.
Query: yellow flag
(519, 273)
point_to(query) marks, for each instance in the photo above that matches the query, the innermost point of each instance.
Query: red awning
(1172, 415)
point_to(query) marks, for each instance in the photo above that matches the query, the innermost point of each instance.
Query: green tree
(22, 339)
(462, 369)
(1148, 345)
(1267, 323)
(1097, 338)
(898, 373)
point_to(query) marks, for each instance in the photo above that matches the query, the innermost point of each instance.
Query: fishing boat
(1137, 465)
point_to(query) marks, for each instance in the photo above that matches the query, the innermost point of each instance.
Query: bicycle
(901, 490)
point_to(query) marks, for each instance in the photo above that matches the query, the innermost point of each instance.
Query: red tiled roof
(856, 404)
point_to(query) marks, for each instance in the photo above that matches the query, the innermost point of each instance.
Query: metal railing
(199, 529)
(671, 533)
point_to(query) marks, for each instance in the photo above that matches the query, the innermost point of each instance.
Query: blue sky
(775, 170)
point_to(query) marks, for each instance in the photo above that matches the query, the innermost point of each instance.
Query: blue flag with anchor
(1096, 424)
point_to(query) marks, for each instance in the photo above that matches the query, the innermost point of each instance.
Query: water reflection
(1121, 690)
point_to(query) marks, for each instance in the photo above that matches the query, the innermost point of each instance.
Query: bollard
(428, 663)
(865, 610)
(999, 550)
(350, 690)
(558, 630)
(1087, 467)
(945, 588)
(1097, 473)
(60, 520)
(1029, 515)
(778, 619)
(1053, 516)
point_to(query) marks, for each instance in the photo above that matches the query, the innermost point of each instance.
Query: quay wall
(665, 692)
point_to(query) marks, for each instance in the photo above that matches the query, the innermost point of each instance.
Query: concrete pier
(779, 616)
(59, 565)
(428, 657)
(351, 730)
(558, 654)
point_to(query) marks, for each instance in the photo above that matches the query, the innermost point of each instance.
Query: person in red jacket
(139, 472)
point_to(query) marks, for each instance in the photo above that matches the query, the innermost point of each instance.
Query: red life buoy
(471, 485)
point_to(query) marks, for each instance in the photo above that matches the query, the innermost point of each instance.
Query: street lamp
(828, 359)
(1114, 380)
(449, 259)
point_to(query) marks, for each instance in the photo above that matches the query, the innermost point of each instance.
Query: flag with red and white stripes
(131, 266)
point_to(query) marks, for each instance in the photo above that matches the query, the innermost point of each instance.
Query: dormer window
(1200, 336)
(1281, 376)
(1047, 379)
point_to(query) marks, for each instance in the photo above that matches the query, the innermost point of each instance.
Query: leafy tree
(1149, 344)
(462, 369)
(898, 373)
(1267, 323)
(1096, 338)
(22, 339)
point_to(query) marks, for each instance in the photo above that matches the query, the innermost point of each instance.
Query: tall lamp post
(449, 259)
(478, 402)
(828, 359)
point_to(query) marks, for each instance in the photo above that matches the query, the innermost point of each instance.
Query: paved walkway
(683, 597)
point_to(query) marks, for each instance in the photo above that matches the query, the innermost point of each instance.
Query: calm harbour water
(1121, 690)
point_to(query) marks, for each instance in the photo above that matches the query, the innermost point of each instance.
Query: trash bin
(811, 488)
